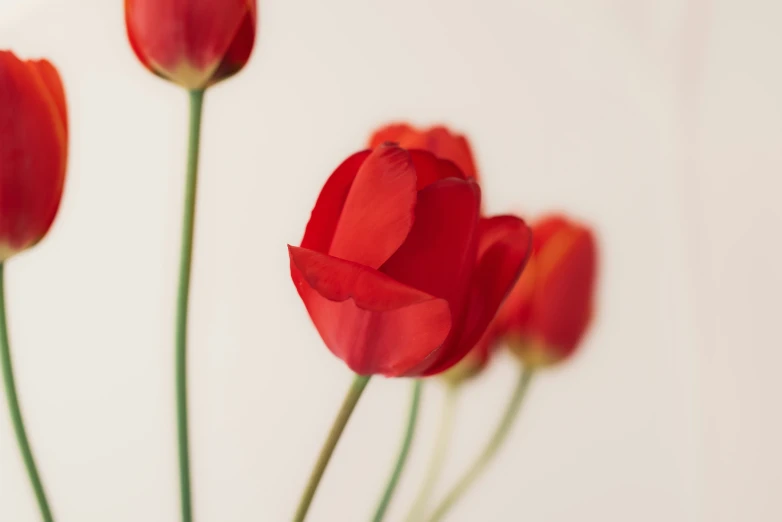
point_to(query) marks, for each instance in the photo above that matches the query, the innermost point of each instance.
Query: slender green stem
(404, 452)
(438, 455)
(512, 411)
(185, 262)
(348, 405)
(16, 411)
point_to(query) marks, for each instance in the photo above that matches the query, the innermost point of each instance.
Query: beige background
(659, 122)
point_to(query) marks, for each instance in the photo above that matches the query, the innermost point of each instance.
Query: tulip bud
(33, 150)
(548, 312)
(193, 43)
(438, 140)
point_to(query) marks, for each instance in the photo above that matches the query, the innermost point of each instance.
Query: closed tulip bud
(438, 140)
(399, 272)
(550, 308)
(193, 43)
(33, 150)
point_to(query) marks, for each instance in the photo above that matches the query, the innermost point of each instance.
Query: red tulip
(397, 269)
(438, 140)
(550, 308)
(194, 43)
(33, 150)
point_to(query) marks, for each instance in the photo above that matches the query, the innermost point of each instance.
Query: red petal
(379, 209)
(453, 147)
(185, 40)
(439, 253)
(562, 302)
(373, 323)
(239, 51)
(325, 215)
(51, 79)
(393, 133)
(505, 246)
(429, 168)
(33, 151)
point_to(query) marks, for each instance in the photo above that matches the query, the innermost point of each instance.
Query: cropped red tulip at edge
(33, 150)
(194, 43)
(550, 308)
(397, 269)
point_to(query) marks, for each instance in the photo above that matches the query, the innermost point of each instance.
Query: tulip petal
(565, 280)
(185, 40)
(439, 253)
(238, 53)
(429, 168)
(373, 323)
(504, 248)
(51, 79)
(33, 152)
(379, 209)
(328, 209)
(393, 133)
(438, 140)
(453, 147)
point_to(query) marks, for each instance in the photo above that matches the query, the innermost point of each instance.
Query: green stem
(185, 262)
(348, 405)
(512, 411)
(438, 456)
(404, 452)
(16, 411)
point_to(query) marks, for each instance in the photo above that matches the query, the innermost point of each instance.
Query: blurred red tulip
(33, 150)
(194, 43)
(397, 269)
(438, 140)
(550, 308)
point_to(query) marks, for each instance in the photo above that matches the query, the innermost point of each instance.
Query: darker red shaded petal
(504, 248)
(562, 304)
(328, 208)
(379, 210)
(372, 322)
(429, 168)
(439, 253)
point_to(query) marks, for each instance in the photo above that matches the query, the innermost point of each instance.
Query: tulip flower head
(549, 310)
(438, 140)
(194, 43)
(399, 272)
(33, 150)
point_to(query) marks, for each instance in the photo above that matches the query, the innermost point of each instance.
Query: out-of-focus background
(660, 123)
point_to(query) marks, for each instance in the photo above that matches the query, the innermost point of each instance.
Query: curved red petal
(438, 140)
(325, 215)
(562, 303)
(238, 53)
(439, 253)
(505, 246)
(429, 168)
(184, 40)
(51, 79)
(454, 147)
(379, 210)
(393, 133)
(373, 323)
